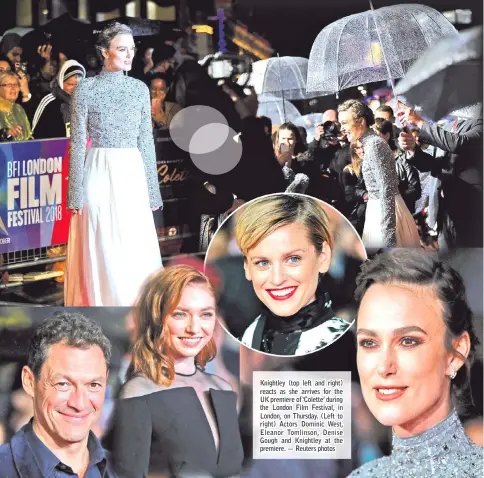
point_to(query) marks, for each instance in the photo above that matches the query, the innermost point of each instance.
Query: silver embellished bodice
(114, 111)
(443, 451)
(381, 181)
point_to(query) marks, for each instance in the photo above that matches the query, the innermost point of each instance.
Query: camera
(21, 66)
(227, 66)
(331, 130)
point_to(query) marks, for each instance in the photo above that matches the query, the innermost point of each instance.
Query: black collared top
(51, 466)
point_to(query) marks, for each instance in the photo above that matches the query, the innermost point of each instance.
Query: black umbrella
(448, 76)
(66, 34)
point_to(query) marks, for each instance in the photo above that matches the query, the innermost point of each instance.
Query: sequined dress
(112, 246)
(388, 222)
(443, 451)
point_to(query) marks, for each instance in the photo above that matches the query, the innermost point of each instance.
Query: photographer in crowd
(257, 172)
(329, 154)
(325, 142)
(460, 172)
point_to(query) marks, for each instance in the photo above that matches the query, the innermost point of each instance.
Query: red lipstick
(283, 293)
(388, 393)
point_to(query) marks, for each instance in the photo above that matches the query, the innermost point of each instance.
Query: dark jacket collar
(33, 459)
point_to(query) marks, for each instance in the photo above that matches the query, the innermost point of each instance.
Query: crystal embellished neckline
(448, 430)
(369, 132)
(111, 74)
(443, 450)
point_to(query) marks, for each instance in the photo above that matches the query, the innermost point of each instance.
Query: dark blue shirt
(51, 466)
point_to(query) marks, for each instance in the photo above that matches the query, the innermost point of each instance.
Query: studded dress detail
(388, 222)
(114, 111)
(113, 246)
(443, 451)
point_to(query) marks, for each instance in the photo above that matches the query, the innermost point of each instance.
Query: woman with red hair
(173, 416)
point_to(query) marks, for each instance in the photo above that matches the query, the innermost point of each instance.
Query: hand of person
(160, 68)
(235, 205)
(365, 197)
(247, 106)
(319, 132)
(148, 64)
(406, 141)
(406, 114)
(24, 83)
(62, 59)
(210, 187)
(284, 157)
(15, 131)
(155, 208)
(77, 211)
(155, 107)
(45, 52)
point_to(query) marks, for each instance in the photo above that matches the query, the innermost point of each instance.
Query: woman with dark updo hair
(388, 222)
(415, 346)
(114, 186)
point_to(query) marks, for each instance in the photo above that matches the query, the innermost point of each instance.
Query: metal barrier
(172, 232)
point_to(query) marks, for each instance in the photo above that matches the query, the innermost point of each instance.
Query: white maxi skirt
(407, 232)
(113, 246)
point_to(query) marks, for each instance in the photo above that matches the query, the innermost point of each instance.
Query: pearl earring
(453, 373)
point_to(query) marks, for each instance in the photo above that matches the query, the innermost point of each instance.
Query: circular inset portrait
(288, 264)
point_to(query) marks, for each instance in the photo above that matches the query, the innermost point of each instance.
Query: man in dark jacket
(66, 377)
(460, 171)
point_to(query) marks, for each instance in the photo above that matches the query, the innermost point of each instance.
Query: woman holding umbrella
(388, 222)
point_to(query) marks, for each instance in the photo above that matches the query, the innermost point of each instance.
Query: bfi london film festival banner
(33, 194)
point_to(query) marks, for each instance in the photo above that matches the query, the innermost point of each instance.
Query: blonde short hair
(6, 73)
(263, 216)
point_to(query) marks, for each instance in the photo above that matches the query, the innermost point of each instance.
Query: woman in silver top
(416, 343)
(113, 246)
(388, 222)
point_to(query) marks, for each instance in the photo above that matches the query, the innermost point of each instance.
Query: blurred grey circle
(189, 120)
(208, 138)
(223, 159)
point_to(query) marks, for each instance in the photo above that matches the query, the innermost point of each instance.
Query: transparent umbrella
(448, 76)
(373, 46)
(278, 110)
(281, 77)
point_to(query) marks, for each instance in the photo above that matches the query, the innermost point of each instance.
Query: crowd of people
(403, 183)
(360, 161)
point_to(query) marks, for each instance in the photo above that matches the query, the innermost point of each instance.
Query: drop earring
(453, 373)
